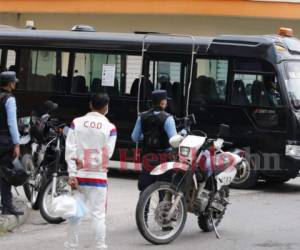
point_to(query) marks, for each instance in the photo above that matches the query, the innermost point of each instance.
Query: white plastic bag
(69, 207)
(64, 206)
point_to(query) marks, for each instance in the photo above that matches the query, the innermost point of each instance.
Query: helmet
(14, 173)
(38, 127)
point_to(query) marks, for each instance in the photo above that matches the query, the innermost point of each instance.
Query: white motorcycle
(200, 185)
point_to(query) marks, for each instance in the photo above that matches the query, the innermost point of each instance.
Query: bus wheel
(246, 176)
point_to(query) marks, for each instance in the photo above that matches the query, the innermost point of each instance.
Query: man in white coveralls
(90, 143)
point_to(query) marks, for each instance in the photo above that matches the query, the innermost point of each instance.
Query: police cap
(158, 95)
(8, 76)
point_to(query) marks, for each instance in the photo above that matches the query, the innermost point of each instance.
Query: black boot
(11, 211)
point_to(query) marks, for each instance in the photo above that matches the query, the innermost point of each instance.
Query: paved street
(264, 218)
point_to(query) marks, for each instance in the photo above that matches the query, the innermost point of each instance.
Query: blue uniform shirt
(11, 111)
(169, 127)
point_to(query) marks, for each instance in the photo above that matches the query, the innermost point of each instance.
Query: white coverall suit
(92, 139)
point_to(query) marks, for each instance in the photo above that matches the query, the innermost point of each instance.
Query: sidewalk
(9, 222)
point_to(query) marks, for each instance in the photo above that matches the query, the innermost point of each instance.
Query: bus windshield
(293, 82)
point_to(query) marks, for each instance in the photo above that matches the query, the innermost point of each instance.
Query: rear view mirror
(224, 131)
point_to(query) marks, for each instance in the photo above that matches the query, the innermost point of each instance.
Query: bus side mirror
(224, 131)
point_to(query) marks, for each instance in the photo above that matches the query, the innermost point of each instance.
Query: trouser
(6, 194)
(149, 162)
(5, 187)
(95, 199)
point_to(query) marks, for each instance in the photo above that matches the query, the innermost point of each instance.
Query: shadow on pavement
(277, 188)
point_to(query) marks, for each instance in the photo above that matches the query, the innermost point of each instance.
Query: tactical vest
(155, 137)
(4, 95)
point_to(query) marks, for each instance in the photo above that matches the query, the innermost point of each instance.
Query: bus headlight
(292, 150)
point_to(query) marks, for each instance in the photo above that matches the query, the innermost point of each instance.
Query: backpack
(153, 130)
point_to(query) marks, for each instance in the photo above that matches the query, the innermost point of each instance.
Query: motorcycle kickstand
(215, 228)
(18, 194)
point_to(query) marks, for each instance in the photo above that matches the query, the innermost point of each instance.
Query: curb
(9, 222)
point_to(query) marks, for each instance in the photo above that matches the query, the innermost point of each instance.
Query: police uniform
(9, 137)
(91, 139)
(154, 128)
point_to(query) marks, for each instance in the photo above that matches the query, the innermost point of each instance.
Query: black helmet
(14, 173)
(39, 128)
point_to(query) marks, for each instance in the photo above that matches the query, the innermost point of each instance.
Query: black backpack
(155, 138)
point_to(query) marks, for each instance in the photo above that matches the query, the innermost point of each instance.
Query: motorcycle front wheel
(152, 210)
(62, 187)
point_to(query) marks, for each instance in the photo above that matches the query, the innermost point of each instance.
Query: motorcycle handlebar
(185, 122)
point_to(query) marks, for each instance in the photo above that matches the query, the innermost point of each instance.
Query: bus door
(243, 94)
(259, 116)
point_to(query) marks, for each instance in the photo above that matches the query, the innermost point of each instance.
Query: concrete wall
(199, 25)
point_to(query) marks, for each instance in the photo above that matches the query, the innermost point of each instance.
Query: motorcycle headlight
(184, 151)
(292, 150)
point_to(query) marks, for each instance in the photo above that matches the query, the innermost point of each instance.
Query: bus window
(11, 60)
(133, 70)
(62, 83)
(210, 82)
(255, 90)
(64, 63)
(42, 70)
(96, 73)
(254, 84)
(165, 74)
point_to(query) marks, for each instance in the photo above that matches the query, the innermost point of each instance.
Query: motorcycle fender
(226, 177)
(167, 166)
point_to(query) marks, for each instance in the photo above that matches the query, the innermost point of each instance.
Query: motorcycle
(200, 185)
(45, 158)
(57, 182)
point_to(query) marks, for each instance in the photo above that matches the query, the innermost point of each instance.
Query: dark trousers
(5, 187)
(6, 194)
(149, 162)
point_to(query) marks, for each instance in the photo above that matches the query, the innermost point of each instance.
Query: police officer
(9, 136)
(154, 128)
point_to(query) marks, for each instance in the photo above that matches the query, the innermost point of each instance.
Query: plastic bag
(64, 206)
(69, 207)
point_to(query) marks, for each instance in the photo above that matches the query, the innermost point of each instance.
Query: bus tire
(246, 177)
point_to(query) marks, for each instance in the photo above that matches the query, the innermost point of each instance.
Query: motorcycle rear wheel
(167, 228)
